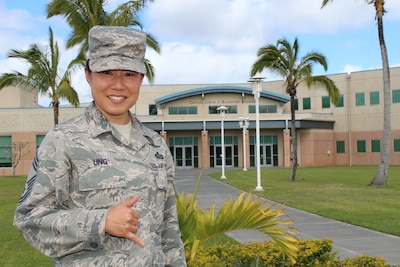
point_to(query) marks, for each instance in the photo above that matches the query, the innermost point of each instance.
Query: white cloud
(216, 41)
(350, 68)
(184, 63)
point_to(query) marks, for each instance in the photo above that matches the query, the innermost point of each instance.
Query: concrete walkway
(348, 240)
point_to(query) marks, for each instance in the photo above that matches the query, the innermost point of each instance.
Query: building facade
(188, 118)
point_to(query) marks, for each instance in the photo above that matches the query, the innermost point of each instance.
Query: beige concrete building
(187, 117)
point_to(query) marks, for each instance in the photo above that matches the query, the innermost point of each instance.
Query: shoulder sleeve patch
(30, 181)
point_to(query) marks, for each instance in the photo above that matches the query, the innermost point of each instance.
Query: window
(152, 110)
(5, 151)
(360, 99)
(214, 109)
(306, 103)
(264, 109)
(376, 145)
(39, 139)
(341, 101)
(396, 96)
(361, 147)
(182, 110)
(374, 98)
(296, 104)
(326, 102)
(340, 148)
(396, 145)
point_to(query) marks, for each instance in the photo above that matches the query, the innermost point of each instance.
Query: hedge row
(314, 253)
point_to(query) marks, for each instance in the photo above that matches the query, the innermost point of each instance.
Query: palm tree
(284, 60)
(43, 74)
(82, 15)
(383, 167)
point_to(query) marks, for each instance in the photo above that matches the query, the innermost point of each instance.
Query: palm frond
(244, 213)
(16, 79)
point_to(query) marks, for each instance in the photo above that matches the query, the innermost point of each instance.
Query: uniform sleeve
(43, 216)
(171, 237)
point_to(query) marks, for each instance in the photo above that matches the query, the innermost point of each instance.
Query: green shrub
(311, 253)
(365, 261)
(314, 253)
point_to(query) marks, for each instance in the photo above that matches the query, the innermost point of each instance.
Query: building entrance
(231, 151)
(184, 149)
(183, 156)
(268, 151)
(228, 156)
(266, 157)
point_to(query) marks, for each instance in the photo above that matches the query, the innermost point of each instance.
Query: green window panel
(152, 110)
(360, 99)
(179, 141)
(296, 104)
(341, 102)
(5, 151)
(182, 110)
(361, 146)
(264, 139)
(396, 96)
(307, 103)
(376, 145)
(326, 102)
(192, 110)
(263, 109)
(340, 147)
(214, 109)
(374, 98)
(232, 109)
(173, 110)
(396, 144)
(39, 139)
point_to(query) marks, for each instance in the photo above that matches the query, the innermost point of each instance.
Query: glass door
(229, 162)
(183, 156)
(266, 155)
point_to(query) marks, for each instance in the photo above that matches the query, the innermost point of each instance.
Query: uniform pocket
(99, 190)
(161, 179)
(101, 180)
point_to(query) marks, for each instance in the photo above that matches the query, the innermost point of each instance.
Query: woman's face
(115, 92)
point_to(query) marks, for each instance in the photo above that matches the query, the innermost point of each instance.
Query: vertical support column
(286, 149)
(205, 150)
(163, 134)
(247, 137)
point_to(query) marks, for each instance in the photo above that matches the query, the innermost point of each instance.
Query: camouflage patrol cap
(116, 48)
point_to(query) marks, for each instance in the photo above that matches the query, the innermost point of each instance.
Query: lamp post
(256, 81)
(244, 123)
(222, 110)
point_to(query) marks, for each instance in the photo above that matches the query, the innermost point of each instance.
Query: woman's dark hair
(87, 66)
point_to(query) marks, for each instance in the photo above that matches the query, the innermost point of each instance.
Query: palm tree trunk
(293, 137)
(56, 106)
(381, 175)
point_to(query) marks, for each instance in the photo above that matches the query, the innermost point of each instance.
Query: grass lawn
(340, 193)
(14, 251)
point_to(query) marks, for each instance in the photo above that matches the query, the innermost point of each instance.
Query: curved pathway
(348, 240)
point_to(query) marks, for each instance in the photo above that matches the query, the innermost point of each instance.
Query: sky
(216, 41)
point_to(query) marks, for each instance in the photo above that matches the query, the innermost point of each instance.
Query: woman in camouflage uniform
(100, 190)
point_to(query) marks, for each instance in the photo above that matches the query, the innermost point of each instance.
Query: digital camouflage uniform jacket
(83, 168)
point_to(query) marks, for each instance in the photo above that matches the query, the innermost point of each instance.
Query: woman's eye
(106, 72)
(130, 73)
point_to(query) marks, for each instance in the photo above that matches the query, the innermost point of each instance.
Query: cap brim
(117, 63)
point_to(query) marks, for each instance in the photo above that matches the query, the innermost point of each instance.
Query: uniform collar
(100, 125)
